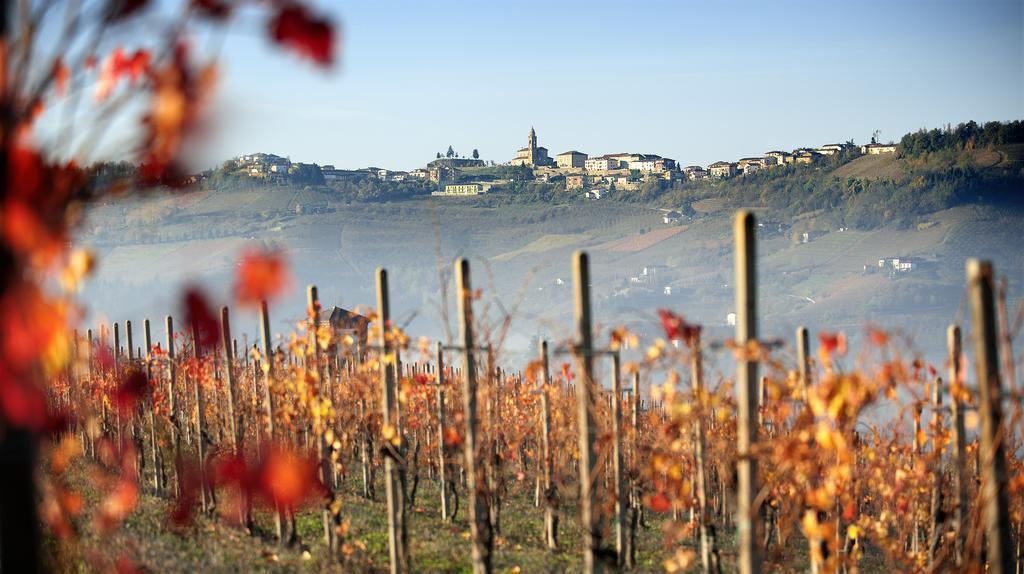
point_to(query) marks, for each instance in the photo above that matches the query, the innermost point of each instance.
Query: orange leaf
(660, 503)
(261, 276)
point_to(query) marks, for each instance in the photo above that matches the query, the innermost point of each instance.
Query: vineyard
(797, 459)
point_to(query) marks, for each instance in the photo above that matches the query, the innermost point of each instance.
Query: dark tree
(476, 154)
(451, 152)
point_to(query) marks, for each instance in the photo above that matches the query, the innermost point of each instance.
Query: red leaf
(262, 275)
(833, 343)
(660, 503)
(21, 403)
(849, 511)
(676, 328)
(309, 36)
(201, 319)
(130, 391)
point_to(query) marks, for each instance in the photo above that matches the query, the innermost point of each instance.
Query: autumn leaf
(130, 391)
(287, 477)
(676, 328)
(567, 372)
(201, 319)
(452, 437)
(878, 337)
(307, 35)
(118, 505)
(660, 502)
(832, 343)
(261, 276)
(61, 75)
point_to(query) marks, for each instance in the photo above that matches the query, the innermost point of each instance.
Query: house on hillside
(464, 189)
(345, 322)
(899, 264)
(650, 277)
(603, 163)
(694, 172)
(809, 236)
(650, 163)
(623, 159)
(575, 181)
(749, 165)
(721, 169)
(877, 148)
(672, 217)
(830, 149)
(776, 157)
(571, 159)
(333, 174)
(806, 156)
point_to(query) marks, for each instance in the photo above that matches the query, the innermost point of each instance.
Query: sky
(695, 81)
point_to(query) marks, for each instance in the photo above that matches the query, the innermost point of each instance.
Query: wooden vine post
(993, 495)
(442, 460)
(200, 423)
(322, 426)
(117, 379)
(959, 442)
(708, 541)
(133, 420)
(746, 391)
(631, 463)
(585, 404)
(618, 474)
(151, 411)
(236, 426)
(803, 361)
(172, 405)
(547, 464)
(477, 506)
(131, 345)
(935, 512)
(268, 402)
(397, 534)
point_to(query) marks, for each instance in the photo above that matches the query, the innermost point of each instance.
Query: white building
(600, 164)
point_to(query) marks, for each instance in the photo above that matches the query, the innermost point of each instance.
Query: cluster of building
(267, 166)
(625, 171)
(775, 158)
(593, 176)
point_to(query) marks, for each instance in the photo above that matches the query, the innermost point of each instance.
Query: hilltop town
(593, 177)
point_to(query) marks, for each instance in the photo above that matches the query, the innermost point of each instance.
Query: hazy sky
(695, 81)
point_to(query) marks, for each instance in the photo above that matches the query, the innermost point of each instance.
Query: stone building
(533, 155)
